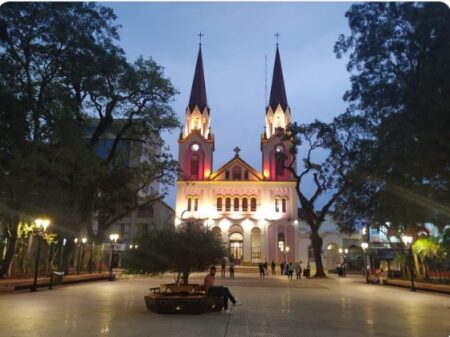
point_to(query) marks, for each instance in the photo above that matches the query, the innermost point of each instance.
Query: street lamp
(364, 246)
(344, 253)
(407, 240)
(113, 238)
(284, 249)
(80, 264)
(41, 227)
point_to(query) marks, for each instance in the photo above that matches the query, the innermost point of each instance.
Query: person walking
(232, 265)
(265, 267)
(261, 270)
(272, 265)
(290, 271)
(220, 291)
(223, 265)
(282, 268)
(298, 271)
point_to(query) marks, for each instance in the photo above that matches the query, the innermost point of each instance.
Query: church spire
(198, 91)
(278, 91)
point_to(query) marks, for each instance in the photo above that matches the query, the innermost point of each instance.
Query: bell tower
(196, 142)
(278, 117)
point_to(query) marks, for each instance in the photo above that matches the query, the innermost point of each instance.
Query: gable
(237, 169)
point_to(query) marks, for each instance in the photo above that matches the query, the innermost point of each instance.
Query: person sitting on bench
(221, 291)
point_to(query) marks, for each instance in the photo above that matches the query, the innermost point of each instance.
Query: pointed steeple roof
(198, 91)
(278, 91)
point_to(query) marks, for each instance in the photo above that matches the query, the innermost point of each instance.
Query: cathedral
(253, 211)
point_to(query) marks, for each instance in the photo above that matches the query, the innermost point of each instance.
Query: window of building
(189, 204)
(142, 228)
(219, 204)
(283, 205)
(279, 165)
(245, 205)
(246, 175)
(227, 175)
(253, 204)
(195, 204)
(124, 230)
(236, 204)
(277, 206)
(228, 204)
(194, 165)
(236, 173)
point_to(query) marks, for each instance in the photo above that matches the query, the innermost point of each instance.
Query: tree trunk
(186, 277)
(316, 242)
(12, 243)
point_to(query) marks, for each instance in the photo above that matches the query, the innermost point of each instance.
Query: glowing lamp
(407, 239)
(114, 237)
(364, 246)
(42, 224)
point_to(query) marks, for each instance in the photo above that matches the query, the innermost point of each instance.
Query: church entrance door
(237, 247)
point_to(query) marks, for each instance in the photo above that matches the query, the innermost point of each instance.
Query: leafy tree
(66, 88)
(184, 250)
(332, 151)
(399, 58)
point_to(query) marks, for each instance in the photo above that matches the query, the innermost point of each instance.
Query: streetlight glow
(42, 223)
(114, 237)
(84, 240)
(364, 246)
(407, 239)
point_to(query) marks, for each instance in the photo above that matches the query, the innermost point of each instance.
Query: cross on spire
(237, 150)
(200, 36)
(277, 35)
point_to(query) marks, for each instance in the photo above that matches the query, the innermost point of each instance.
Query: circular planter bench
(186, 299)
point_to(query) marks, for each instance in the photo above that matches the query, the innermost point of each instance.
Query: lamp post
(90, 257)
(364, 246)
(76, 260)
(284, 249)
(41, 227)
(407, 240)
(80, 264)
(344, 253)
(113, 238)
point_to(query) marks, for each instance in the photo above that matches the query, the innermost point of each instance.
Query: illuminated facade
(254, 212)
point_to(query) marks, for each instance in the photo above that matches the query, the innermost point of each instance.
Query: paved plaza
(272, 307)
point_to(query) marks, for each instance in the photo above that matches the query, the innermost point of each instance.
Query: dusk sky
(237, 37)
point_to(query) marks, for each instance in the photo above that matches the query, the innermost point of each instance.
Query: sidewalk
(8, 285)
(441, 288)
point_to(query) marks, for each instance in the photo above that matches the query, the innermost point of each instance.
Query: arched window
(283, 205)
(195, 204)
(227, 204)
(236, 204)
(236, 173)
(279, 165)
(189, 205)
(227, 175)
(245, 205)
(253, 204)
(194, 165)
(277, 205)
(219, 204)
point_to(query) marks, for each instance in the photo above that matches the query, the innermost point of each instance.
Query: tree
(332, 152)
(66, 85)
(184, 250)
(399, 58)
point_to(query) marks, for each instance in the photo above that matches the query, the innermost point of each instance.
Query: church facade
(255, 212)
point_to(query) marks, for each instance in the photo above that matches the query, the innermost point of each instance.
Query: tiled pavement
(272, 307)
